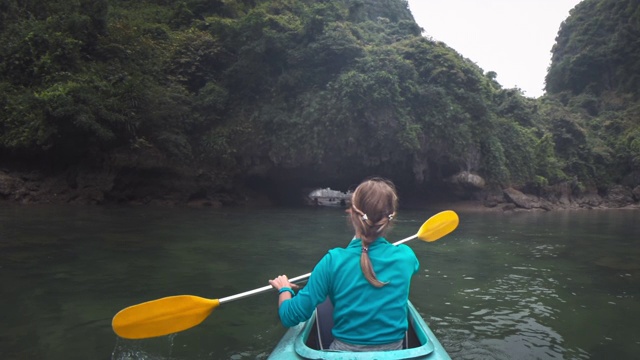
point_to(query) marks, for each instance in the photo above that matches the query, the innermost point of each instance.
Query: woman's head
(373, 206)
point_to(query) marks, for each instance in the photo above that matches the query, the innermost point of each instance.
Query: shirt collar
(356, 243)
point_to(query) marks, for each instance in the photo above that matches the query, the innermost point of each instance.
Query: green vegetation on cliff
(323, 92)
(595, 79)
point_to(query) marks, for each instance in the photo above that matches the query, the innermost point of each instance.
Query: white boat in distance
(328, 197)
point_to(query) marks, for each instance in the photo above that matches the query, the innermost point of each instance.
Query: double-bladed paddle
(181, 312)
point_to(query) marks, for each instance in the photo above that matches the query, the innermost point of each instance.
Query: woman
(367, 282)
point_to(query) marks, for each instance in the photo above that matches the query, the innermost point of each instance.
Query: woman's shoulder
(354, 245)
(354, 248)
(404, 247)
(340, 251)
(404, 250)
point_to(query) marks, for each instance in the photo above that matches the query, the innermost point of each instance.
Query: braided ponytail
(373, 206)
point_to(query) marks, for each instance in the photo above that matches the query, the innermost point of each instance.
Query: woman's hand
(282, 281)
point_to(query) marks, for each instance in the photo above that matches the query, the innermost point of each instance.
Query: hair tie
(365, 249)
(363, 216)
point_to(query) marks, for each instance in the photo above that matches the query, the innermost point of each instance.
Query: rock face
(132, 176)
(564, 196)
(144, 176)
(619, 196)
(465, 184)
(467, 179)
(526, 201)
(9, 184)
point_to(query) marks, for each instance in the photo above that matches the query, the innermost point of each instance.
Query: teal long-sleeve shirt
(363, 314)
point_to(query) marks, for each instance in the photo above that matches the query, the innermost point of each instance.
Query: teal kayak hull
(299, 343)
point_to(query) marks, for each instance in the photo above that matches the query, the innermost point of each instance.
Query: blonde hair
(373, 206)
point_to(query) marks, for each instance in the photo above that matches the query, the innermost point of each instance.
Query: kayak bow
(305, 341)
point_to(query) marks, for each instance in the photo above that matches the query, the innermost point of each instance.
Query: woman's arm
(284, 287)
(293, 311)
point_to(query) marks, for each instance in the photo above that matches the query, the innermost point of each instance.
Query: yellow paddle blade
(162, 317)
(438, 226)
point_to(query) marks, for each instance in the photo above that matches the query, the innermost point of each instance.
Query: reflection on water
(531, 286)
(561, 285)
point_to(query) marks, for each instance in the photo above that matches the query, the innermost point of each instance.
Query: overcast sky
(511, 37)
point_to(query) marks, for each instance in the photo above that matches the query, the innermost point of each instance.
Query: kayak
(309, 340)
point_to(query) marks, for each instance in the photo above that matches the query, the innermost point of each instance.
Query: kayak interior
(314, 339)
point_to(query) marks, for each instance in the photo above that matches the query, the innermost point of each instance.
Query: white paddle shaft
(294, 280)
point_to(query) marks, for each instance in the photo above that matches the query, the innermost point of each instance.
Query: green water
(558, 285)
